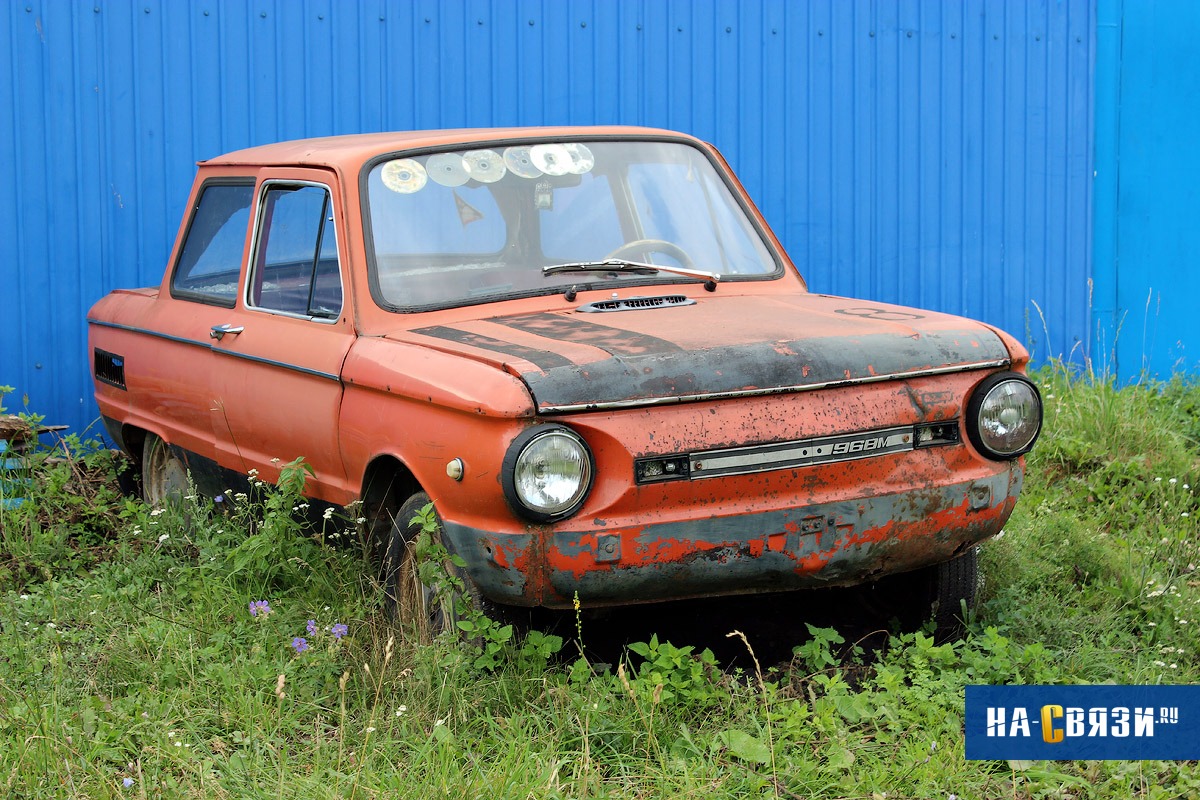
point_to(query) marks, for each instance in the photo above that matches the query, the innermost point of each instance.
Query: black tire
(952, 584)
(164, 475)
(410, 601)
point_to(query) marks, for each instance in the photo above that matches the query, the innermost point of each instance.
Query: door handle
(218, 331)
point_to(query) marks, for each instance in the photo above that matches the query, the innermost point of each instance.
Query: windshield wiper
(711, 279)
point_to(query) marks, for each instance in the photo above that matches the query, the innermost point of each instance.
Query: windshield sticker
(404, 176)
(520, 162)
(611, 340)
(485, 166)
(448, 169)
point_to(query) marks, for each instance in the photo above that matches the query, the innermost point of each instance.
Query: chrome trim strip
(148, 332)
(809, 387)
(281, 364)
(801, 453)
(181, 340)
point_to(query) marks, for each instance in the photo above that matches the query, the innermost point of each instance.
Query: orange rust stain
(805, 370)
(756, 548)
(871, 369)
(776, 542)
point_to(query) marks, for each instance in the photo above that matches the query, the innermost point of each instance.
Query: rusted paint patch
(822, 545)
(644, 372)
(542, 359)
(569, 329)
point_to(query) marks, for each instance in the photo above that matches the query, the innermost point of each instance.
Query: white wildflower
(164, 537)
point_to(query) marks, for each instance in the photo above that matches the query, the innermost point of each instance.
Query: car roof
(354, 149)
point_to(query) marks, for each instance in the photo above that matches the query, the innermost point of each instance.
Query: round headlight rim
(508, 473)
(980, 393)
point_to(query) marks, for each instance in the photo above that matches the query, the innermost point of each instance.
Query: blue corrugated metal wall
(932, 153)
(1148, 192)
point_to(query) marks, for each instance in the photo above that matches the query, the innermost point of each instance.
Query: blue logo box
(1059, 723)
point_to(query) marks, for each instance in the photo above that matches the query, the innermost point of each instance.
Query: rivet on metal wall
(871, 34)
(96, 10)
(262, 14)
(531, 23)
(728, 30)
(820, 33)
(909, 34)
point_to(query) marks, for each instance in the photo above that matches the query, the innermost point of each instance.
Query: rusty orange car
(585, 347)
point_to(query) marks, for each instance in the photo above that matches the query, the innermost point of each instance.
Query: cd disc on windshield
(582, 159)
(404, 176)
(552, 159)
(447, 169)
(485, 166)
(520, 162)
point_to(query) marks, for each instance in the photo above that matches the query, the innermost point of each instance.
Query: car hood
(719, 346)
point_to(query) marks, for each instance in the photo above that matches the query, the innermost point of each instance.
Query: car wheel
(951, 584)
(164, 476)
(409, 600)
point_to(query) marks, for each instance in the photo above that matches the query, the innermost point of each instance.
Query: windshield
(476, 225)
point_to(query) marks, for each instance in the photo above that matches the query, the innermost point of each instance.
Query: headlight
(547, 473)
(1004, 416)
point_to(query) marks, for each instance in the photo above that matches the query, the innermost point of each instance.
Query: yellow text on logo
(1051, 734)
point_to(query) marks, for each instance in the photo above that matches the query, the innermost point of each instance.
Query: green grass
(127, 651)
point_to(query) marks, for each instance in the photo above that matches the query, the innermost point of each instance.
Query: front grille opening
(109, 368)
(635, 303)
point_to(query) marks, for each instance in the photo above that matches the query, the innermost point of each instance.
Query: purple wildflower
(259, 608)
(300, 644)
(127, 782)
(339, 630)
(311, 627)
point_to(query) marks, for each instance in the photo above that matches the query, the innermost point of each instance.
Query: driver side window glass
(296, 264)
(210, 261)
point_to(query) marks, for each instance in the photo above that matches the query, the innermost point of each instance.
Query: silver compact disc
(552, 159)
(447, 169)
(582, 159)
(485, 166)
(520, 163)
(404, 175)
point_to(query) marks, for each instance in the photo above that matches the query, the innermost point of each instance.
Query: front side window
(478, 225)
(210, 261)
(296, 263)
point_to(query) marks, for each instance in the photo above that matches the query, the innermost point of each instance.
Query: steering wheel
(653, 246)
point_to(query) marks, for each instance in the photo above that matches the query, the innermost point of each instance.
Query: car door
(279, 351)
(170, 364)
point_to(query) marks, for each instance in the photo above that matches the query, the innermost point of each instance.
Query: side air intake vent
(634, 303)
(110, 368)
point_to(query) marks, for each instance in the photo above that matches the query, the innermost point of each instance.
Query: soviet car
(585, 347)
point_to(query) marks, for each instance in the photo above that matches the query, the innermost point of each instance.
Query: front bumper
(833, 544)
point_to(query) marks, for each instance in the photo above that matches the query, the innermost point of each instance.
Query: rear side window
(211, 259)
(296, 266)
